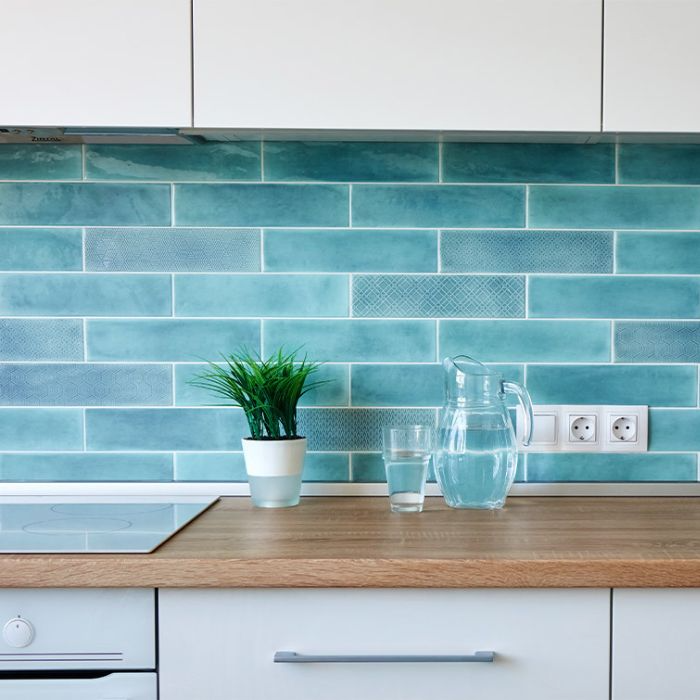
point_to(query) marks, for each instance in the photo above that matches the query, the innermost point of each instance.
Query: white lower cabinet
(221, 644)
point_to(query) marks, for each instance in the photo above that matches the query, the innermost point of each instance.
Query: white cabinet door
(492, 65)
(220, 644)
(652, 57)
(95, 63)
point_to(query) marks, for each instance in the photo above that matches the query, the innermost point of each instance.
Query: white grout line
(262, 249)
(172, 205)
(439, 250)
(527, 206)
(83, 243)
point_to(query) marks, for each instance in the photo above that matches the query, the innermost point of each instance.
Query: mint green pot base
(275, 491)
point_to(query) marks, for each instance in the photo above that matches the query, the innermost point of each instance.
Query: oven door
(113, 686)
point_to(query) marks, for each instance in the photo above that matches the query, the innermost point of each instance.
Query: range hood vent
(12, 134)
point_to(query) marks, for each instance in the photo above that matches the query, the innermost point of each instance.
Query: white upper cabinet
(483, 65)
(121, 63)
(652, 58)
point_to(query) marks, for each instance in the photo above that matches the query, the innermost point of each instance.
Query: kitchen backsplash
(573, 267)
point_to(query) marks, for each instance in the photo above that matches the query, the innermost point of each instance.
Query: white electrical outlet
(582, 428)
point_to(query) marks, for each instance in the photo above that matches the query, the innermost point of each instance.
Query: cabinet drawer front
(547, 644)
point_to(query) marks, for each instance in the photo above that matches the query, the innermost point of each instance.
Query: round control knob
(18, 632)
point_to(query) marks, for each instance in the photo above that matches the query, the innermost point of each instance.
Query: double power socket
(586, 429)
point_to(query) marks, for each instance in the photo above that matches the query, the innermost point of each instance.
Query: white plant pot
(274, 470)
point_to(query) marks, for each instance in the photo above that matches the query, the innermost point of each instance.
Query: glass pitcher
(477, 453)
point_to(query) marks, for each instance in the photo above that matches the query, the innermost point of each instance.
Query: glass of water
(407, 453)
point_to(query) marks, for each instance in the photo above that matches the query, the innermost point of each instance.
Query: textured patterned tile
(40, 162)
(41, 339)
(169, 340)
(614, 207)
(172, 250)
(659, 164)
(660, 253)
(207, 161)
(528, 162)
(260, 205)
(657, 341)
(527, 341)
(76, 294)
(83, 204)
(433, 206)
(261, 295)
(85, 385)
(674, 430)
(621, 384)
(328, 161)
(41, 249)
(30, 429)
(353, 250)
(614, 297)
(354, 340)
(346, 429)
(428, 296)
(86, 467)
(526, 251)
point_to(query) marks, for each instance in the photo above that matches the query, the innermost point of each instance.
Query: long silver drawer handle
(291, 657)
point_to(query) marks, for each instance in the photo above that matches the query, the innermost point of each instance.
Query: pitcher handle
(526, 402)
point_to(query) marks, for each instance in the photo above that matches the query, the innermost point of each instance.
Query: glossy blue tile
(526, 251)
(40, 162)
(41, 249)
(206, 161)
(350, 250)
(329, 161)
(674, 430)
(354, 340)
(528, 162)
(614, 297)
(527, 340)
(85, 385)
(41, 339)
(31, 429)
(169, 340)
(86, 467)
(165, 429)
(261, 295)
(657, 341)
(655, 385)
(610, 467)
(83, 204)
(430, 296)
(432, 206)
(659, 164)
(172, 250)
(660, 253)
(614, 207)
(261, 205)
(76, 294)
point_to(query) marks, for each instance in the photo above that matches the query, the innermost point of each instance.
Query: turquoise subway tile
(165, 429)
(41, 249)
(614, 207)
(528, 162)
(329, 161)
(334, 392)
(169, 340)
(659, 164)
(526, 251)
(85, 385)
(527, 341)
(429, 296)
(674, 430)
(84, 204)
(261, 295)
(86, 467)
(172, 250)
(660, 253)
(79, 294)
(614, 297)
(261, 205)
(657, 341)
(206, 161)
(610, 467)
(655, 385)
(40, 162)
(354, 340)
(443, 206)
(353, 250)
(41, 339)
(31, 429)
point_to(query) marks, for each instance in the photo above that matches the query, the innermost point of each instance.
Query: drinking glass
(407, 452)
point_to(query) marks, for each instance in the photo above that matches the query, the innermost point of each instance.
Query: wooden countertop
(357, 542)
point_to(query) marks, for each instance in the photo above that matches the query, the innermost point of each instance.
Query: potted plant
(268, 391)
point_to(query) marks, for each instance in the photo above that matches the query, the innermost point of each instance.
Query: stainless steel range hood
(10, 134)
